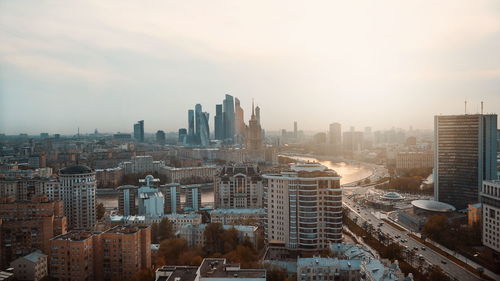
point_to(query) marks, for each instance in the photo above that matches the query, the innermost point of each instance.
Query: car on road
(423, 248)
(415, 248)
(420, 257)
(443, 262)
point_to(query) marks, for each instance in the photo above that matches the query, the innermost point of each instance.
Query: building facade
(304, 207)
(239, 186)
(464, 155)
(406, 160)
(31, 267)
(127, 200)
(77, 191)
(490, 199)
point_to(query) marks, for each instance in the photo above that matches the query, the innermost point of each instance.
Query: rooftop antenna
(465, 106)
(481, 108)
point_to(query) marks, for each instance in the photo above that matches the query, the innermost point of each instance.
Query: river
(349, 173)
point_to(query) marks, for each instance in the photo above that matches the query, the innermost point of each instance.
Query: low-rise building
(212, 269)
(110, 177)
(194, 234)
(31, 267)
(317, 268)
(406, 160)
(179, 220)
(238, 216)
(179, 175)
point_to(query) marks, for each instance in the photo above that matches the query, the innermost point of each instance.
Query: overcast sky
(106, 64)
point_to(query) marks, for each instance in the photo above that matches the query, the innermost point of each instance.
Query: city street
(431, 257)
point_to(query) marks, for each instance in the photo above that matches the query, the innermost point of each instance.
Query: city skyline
(82, 64)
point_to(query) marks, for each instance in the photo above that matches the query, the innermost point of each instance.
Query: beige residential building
(31, 267)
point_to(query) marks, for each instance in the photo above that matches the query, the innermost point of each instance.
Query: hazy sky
(106, 64)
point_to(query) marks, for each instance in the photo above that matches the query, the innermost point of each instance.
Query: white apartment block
(304, 207)
(490, 199)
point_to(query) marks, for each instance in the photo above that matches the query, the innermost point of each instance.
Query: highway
(364, 214)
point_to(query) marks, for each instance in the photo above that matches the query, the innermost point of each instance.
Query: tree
(100, 211)
(154, 233)
(436, 227)
(213, 240)
(143, 275)
(276, 274)
(435, 273)
(165, 229)
(230, 238)
(171, 249)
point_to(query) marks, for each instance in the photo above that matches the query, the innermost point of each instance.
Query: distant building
(183, 136)
(77, 191)
(151, 200)
(139, 131)
(352, 143)
(414, 160)
(31, 267)
(194, 234)
(237, 216)
(490, 199)
(160, 137)
(219, 122)
(239, 186)
(127, 198)
(240, 127)
(304, 207)
(172, 194)
(191, 132)
(110, 177)
(474, 214)
(228, 119)
(177, 175)
(193, 198)
(179, 220)
(140, 165)
(464, 155)
(122, 136)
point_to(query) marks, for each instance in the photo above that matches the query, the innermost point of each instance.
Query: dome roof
(75, 170)
(392, 195)
(431, 205)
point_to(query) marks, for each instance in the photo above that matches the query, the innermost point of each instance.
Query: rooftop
(237, 211)
(74, 235)
(124, 229)
(172, 273)
(434, 206)
(75, 170)
(330, 262)
(218, 268)
(34, 257)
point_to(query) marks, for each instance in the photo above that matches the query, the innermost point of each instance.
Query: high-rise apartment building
(352, 142)
(26, 226)
(304, 207)
(239, 186)
(116, 254)
(229, 118)
(172, 194)
(127, 198)
(139, 131)
(151, 200)
(335, 139)
(193, 198)
(490, 199)
(77, 190)
(219, 122)
(464, 156)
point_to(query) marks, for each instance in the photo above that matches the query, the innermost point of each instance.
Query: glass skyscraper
(228, 107)
(139, 131)
(218, 122)
(464, 156)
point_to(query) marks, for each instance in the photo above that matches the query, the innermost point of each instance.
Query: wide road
(452, 269)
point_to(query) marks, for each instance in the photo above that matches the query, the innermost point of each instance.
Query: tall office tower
(204, 137)
(228, 109)
(127, 197)
(335, 139)
(160, 137)
(240, 128)
(139, 131)
(193, 198)
(367, 137)
(190, 125)
(77, 190)
(151, 200)
(490, 199)
(352, 142)
(295, 130)
(172, 194)
(304, 207)
(239, 186)
(254, 134)
(464, 155)
(183, 136)
(219, 122)
(197, 117)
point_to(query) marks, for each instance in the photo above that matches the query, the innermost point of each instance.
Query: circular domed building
(393, 196)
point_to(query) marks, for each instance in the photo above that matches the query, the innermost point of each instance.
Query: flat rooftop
(185, 273)
(218, 268)
(75, 236)
(124, 229)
